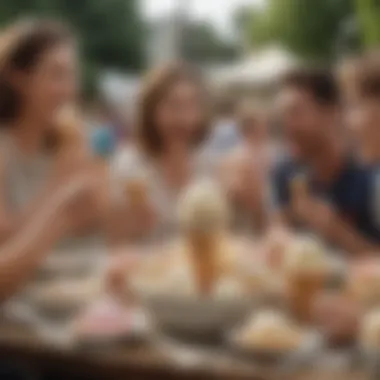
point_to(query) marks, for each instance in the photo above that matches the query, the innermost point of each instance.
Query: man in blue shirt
(319, 185)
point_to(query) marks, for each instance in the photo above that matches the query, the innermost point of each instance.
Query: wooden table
(145, 362)
(129, 362)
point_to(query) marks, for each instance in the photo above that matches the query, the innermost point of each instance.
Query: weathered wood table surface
(145, 361)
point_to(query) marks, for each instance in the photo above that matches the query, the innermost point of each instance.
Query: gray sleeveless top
(24, 178)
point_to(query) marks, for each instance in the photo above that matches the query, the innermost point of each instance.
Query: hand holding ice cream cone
(204, 216)
(68, 127)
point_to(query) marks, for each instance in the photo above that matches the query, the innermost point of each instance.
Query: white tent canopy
(120, 89)
(261, 68)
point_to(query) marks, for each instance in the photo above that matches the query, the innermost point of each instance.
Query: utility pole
(180, 19)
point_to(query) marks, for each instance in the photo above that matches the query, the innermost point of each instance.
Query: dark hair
(319, 83)
(156, 86)
(21, 47)
(368, 76)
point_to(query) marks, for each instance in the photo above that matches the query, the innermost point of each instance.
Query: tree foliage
(201, 43)
(307, 27)
(369, 21)
(111, 32)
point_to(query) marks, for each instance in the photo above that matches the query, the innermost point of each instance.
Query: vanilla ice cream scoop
(306, 255)
(203, 207)
(270, 330)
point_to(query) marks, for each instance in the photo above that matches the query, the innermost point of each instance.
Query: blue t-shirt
(103, 142)
(355, 193)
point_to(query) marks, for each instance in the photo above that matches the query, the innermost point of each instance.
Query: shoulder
(370, 178)
(360, 178)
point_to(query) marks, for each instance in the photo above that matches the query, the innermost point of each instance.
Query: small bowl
(198, 318)
(137, 333)
(310, 344)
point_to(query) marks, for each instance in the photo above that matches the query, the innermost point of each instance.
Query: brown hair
(319, 83)
(156, 86)
(368, 76)
(21, 47)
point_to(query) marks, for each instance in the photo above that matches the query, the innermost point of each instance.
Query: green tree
(110, 32)
(369, 21)
(309, 28)
(201, 43)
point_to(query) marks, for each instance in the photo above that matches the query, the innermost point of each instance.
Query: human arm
(245, 183)
(325, 221)
(21, 254)
(132, 211)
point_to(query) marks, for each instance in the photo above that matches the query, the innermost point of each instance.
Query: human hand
(338, 316)
(276, 243)
(243, 179)
(77, 199)
(119, 267)
(317, 214)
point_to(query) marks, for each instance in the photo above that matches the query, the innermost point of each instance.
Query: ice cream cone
(298, 186)
(204, 258)
(68, 127)
(307, 269)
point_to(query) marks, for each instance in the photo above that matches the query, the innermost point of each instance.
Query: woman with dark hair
(172, 119)
(41, 148)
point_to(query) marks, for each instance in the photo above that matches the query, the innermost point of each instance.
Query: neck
(326, 164)
(176, 151)
(371, 153)
(29, 135)
(175, 156)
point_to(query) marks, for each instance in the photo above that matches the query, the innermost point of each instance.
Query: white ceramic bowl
(196, 317)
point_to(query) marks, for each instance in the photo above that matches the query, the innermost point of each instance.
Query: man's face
(302, 120)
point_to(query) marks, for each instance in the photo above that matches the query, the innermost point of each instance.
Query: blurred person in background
(224, 134)
(363, 116)
(347, 75)
(103, 134)
(172, 120)
(256, 140)
(245, 170)
(319, 186)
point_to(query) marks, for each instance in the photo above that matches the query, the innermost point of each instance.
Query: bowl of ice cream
(198, 285)
(178, 304)
(271, 336)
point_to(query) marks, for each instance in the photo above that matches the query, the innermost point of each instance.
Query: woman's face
(181, 113)
(52, 83)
